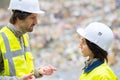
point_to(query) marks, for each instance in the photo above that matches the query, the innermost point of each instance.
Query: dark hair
(97, 51)
(18, 14)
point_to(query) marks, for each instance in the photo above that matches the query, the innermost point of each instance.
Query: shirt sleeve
(36, 74)
(8, 78)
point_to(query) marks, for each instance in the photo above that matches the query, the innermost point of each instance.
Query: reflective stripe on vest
(10, 54)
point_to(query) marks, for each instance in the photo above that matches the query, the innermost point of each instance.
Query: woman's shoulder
(103, 67)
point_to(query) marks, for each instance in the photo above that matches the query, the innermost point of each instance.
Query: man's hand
(47, 70)
(28, 77)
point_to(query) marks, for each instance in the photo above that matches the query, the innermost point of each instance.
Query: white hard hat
(31, 6)
(98, 33)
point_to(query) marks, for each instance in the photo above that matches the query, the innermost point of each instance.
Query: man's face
(27, 24)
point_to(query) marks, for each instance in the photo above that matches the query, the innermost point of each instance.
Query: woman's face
(85, 49)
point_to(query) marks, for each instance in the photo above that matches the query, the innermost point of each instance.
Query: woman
(94, 43)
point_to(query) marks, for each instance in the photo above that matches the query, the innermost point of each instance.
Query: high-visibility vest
(102, 72)
(17, 61)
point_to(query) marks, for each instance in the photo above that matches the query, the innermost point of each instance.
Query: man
(15, 56)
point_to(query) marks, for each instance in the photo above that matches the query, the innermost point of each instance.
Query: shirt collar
(17, 32)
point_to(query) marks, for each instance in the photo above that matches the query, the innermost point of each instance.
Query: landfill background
(55, 41)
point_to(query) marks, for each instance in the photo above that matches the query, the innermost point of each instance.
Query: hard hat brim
(37, 12)
(80, 31)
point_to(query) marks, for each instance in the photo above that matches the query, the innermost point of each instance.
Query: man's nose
(35, 21)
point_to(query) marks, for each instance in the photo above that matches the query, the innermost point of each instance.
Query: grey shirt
(8, 78)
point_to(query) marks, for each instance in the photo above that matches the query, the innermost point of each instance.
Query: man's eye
(32, 17)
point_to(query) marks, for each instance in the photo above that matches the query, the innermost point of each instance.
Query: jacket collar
(93, 66)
